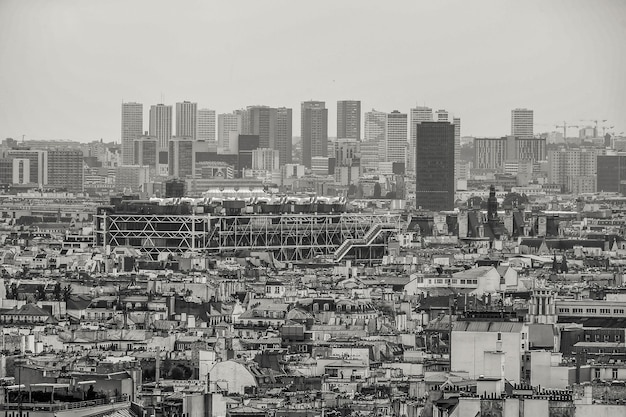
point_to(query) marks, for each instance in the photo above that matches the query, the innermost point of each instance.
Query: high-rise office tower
(181, 157)
(132, 128)
(314, 130)
(349, 119)
(522, 123)
(186, 115)
(442, 116)
(65, 169)
(457, 146)
(375, 126)
(284, 135)
(205, 125)
(261, 121)
(396, 137)
(161, 124)
(417, 115)
(373, 147)
(434, 166)
(147, 152)
(229, 126)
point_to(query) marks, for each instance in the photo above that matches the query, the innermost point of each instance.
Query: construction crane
(564, 126)
(595, 128)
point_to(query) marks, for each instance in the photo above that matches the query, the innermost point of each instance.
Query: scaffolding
(290, 237)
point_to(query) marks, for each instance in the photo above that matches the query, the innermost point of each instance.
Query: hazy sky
(66, 66)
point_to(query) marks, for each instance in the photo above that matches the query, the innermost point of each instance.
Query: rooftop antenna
(23, 138)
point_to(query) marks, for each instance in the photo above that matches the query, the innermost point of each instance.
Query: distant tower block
(542, 307)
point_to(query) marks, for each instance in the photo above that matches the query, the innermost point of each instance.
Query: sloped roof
(488, 326)
(78, 302)
(473, 273)
(28, 309)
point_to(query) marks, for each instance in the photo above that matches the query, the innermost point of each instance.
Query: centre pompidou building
(292, 229)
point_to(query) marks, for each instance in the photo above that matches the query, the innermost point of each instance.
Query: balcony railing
(62, 406)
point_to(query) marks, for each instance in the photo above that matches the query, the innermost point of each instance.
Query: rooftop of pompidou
(292, 228)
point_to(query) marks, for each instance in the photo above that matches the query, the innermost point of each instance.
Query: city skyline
(480, 78)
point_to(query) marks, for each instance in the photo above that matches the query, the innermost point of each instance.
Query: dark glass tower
(434, 166)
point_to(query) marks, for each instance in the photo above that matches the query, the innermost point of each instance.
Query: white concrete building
(132, 128)
(205, 125)
(229, 126)
(396, 137)
(489, 348)
(161, 124)
(522, 123)
(186, 115)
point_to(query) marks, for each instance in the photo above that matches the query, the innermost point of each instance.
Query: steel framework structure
(291, 237)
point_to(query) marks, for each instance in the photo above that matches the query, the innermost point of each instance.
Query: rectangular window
(614, 373)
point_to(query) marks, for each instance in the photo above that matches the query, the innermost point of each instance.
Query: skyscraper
(416, 115)
(205, 125)
(261, 121)
(396, 137)
(349, 119)
(373, 148)
(434, 167)
(181, 157)
(132, 128)
(229, 126)
(284, 135)
(314, 130)
(146, 152)
(457, 147)
(186, 114)
(522, 123)
(375, 126)
(161, 124)
(442, 116)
